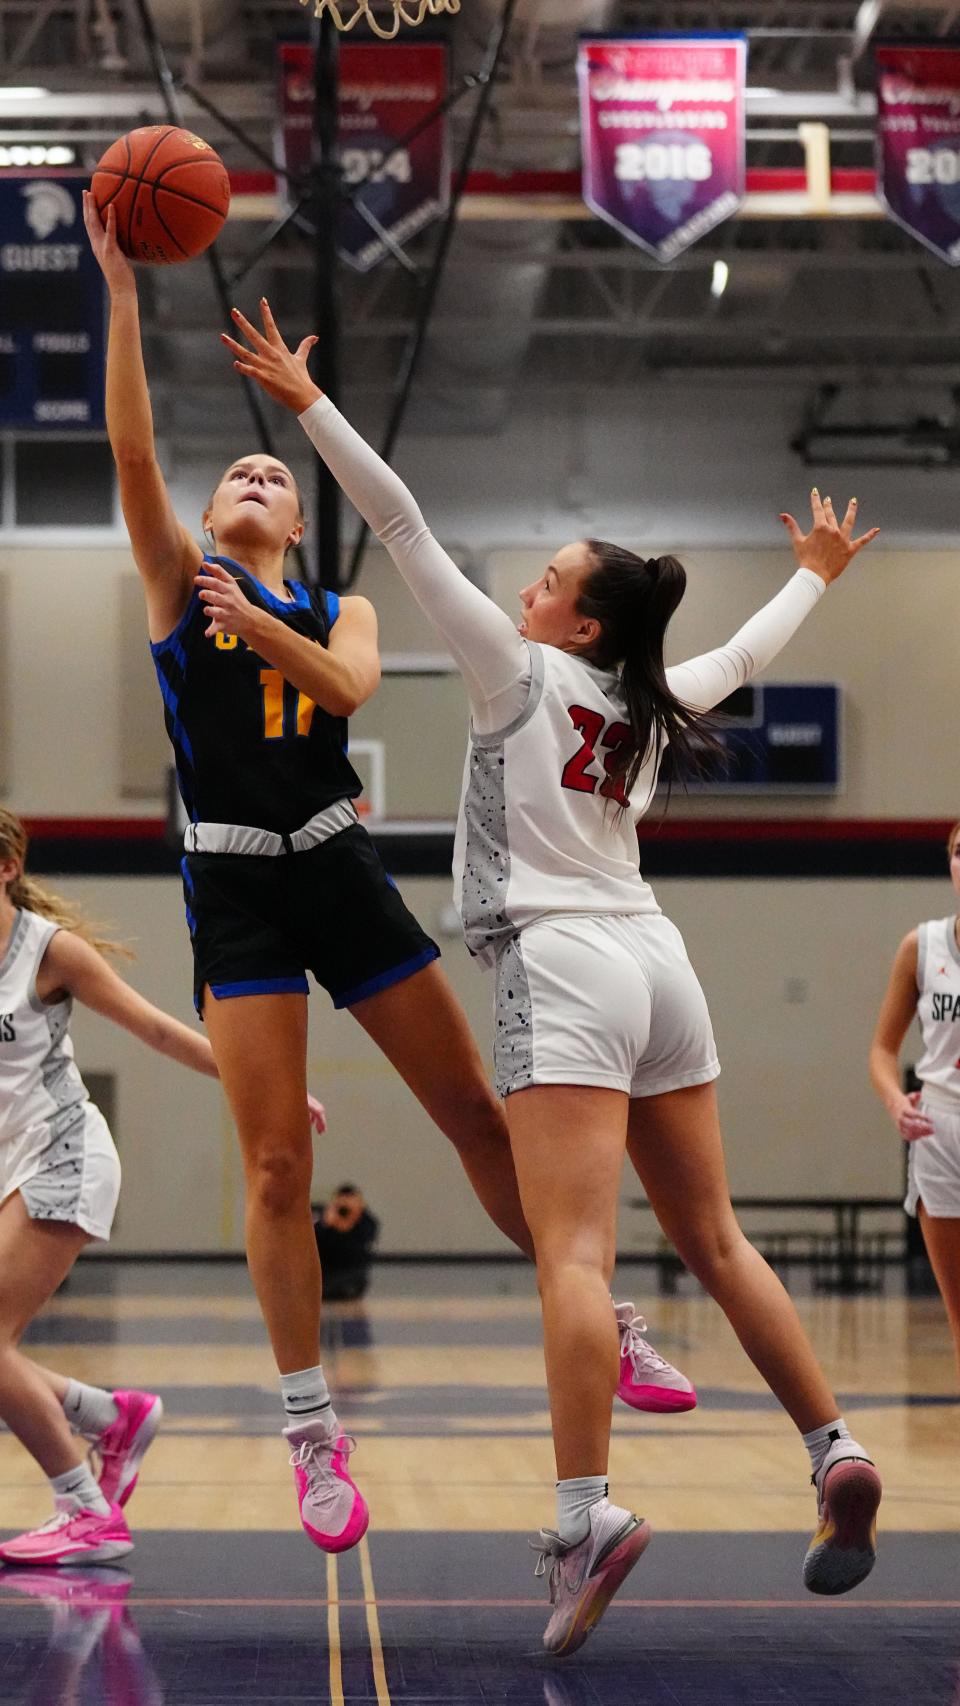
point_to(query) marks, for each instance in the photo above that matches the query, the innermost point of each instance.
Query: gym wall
(793, 969)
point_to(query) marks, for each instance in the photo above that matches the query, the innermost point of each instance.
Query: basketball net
(410, 12)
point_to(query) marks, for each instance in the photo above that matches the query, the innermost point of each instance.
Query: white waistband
(243, 838)
(934, 1096)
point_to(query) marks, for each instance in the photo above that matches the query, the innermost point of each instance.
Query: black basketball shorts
(258, 924)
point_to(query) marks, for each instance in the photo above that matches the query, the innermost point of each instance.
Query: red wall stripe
(760, 180)
(926, 830)
(95, 828)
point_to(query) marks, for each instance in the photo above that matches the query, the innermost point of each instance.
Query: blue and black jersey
(250, 748)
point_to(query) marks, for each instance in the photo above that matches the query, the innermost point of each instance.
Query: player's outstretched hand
(318, 1117)
(912, 1123)
(830, 545)
(281, 371)
(114, 265)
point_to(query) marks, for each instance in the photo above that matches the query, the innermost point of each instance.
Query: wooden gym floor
(439, 1375)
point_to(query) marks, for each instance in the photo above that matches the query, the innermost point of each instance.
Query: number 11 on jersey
(275, 701)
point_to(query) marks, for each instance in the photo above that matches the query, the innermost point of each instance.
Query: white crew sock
(306, 1400)
(818, 1442)
(575, 1500)
(88, 1409)
(79, 1484)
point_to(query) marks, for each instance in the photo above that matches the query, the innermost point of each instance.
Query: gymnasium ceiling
(548, 304)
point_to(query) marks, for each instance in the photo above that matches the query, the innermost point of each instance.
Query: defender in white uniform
(934, 1160)
(603, 1037)
(925, 984)
(59, 1182)
(55, 1147)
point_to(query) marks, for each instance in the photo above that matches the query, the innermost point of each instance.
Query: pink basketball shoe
(121, 1446)
(332, 1510)
(584, 1577)
(73, 1535)
(647, 1380)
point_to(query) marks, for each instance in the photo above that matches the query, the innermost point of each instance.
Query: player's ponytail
(633, 599)
(25, 892)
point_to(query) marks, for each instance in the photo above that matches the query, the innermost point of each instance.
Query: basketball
(170, 190)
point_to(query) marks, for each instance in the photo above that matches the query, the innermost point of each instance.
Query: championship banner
(663, 135)
(51, 308)
(918, 143)
(385, 93)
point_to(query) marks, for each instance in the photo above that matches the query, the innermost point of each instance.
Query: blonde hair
(25, 892)
(952, 840)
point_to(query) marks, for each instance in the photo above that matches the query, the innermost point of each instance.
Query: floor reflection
(71, 1638)
(93, 1650)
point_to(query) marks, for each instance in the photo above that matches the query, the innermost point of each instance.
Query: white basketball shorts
(933, 1163)
(71, 1175)
(601, 998)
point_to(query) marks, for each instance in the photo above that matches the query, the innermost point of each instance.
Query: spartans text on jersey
(945, 1006)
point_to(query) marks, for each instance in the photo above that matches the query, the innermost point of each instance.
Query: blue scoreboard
(779, 738)
(51, 309)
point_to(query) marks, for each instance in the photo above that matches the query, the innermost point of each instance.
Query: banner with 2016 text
(663, 135)
(918, 143)
(402, 179)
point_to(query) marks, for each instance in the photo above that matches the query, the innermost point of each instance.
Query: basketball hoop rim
(409, 12)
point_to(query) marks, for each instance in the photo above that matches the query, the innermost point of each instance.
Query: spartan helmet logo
(670, 196)
(48, 205)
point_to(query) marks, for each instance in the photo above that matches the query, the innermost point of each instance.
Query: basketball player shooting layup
(603, 1039)
(259, 675)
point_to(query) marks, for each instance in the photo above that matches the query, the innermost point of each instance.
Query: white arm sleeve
(490, 653)
(704, 681)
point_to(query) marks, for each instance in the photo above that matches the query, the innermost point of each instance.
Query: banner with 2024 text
(402, 179)
(918, 143)
(663, 135)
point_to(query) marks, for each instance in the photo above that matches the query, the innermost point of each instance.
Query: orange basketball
(170, 190)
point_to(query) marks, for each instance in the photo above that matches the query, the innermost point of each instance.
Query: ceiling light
(37, 154)
(763, 94)
(720, 279)
(24, 94)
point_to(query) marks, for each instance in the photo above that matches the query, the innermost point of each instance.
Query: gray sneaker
(844, 1549)
(585, 1577)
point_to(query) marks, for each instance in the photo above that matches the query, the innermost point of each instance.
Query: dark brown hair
(633, 599)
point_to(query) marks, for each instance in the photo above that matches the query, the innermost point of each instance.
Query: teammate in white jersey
(59, 1182)
(925, 984)
(603, 1039)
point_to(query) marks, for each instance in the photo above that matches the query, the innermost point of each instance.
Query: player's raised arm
(484, 642)
(822, 555)
(165, 553)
